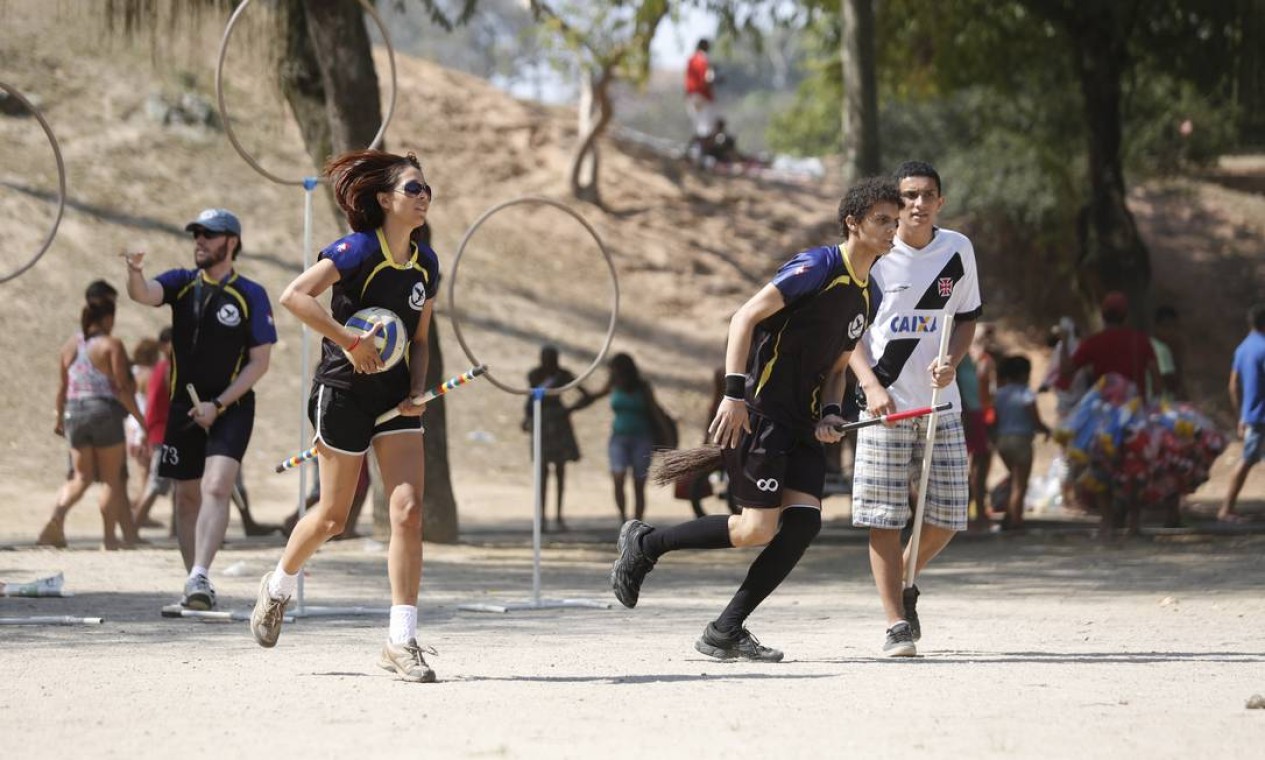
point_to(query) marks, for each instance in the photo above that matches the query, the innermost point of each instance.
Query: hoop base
(542, 604)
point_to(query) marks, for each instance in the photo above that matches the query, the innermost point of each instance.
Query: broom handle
(911, 564)
(908, 414)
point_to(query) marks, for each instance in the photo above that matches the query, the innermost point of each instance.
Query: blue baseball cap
(216, 220)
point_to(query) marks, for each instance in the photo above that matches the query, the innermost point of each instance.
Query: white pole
(538, 396)
(911, 564)
(309, 184)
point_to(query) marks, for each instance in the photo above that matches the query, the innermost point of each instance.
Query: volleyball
(390, 340)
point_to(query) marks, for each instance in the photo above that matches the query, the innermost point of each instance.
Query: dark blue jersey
(827, 309)
(368, 276)
(213, 327)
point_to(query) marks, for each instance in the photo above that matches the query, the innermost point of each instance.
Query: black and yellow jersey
(827, 309)
(213, 327)
(369, 276)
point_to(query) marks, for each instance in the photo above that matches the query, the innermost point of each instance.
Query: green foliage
(1154, 112)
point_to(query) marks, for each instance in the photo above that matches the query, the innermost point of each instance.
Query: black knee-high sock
(799, 526)
(711, 532)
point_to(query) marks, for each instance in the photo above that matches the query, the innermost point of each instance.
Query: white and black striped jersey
(917, 286)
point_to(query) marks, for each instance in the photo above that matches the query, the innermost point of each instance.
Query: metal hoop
(61, 183)
(456, 312)
(228, 125)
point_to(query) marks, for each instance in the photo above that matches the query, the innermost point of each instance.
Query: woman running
(385, 199)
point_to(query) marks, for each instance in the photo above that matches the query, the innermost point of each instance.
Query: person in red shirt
(157, 405)
(700, 99)
(1116, 348)
(1127, 352)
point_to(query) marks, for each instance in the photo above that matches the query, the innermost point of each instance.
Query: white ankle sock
(403, 623)
(198, 570)
(282, 585)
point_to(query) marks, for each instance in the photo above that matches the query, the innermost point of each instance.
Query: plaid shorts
(889, 459)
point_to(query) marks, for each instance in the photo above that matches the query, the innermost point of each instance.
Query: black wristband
(829, 409)
(736, 385)
(219, 405)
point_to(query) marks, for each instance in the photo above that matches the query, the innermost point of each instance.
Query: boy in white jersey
(928, 271)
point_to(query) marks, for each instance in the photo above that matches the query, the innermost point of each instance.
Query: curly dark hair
(358, 176)
(863, 196)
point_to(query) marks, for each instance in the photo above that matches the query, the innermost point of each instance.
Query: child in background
(1017, 426)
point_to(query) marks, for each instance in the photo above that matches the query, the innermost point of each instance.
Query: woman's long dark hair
(93, 314)
(624, 373)
(358, 176)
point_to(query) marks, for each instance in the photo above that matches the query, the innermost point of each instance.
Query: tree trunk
(586, 111)
(439, 506)
(1113, 256)
(337, 29)
(1251, 79)
(860, 91)
(588, 142)
(299, 74)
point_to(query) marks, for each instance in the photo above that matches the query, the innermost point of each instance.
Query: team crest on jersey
(342, 247)
(946, 286)
(417, 299)
(856, 327)
(229, 315)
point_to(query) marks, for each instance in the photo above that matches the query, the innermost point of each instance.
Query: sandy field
(1045, 645)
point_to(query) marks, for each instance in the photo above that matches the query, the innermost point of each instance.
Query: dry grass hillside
(687, 247)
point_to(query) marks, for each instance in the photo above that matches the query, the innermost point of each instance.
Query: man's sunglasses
(198, 232)
(415, 189)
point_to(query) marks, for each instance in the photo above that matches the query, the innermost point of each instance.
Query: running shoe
(406, 661)
(900, 641)
(630, 568)
(739, 645)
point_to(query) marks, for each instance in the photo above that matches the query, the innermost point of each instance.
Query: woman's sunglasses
(415, 189)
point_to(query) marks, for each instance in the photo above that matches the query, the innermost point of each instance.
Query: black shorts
(344, 421)
(773, 457)
(186, 445)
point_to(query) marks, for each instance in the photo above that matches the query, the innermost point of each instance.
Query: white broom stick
(911, 563)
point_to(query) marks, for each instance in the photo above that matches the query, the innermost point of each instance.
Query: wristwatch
(219, 405)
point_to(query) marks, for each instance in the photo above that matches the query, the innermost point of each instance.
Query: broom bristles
(671, 466)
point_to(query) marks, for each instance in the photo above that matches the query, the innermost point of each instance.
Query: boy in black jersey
(222, 336)
(382, 264)
(787, 350)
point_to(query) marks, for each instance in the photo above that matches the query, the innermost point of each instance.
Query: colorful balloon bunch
(1142, 453)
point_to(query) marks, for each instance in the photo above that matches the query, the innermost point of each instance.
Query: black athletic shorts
(344, 421)
(186, 445)
(773, 457)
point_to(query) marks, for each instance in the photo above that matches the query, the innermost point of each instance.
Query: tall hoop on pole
(309, 184)
(537, 397)
(61, 183)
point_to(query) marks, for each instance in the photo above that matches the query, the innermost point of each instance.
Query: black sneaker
(632, 564)
(900, 641)
(736, 646)
(910, 598)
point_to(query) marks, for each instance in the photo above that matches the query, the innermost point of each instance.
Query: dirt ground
(1045, 645)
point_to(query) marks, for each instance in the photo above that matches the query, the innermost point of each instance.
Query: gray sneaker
(910, 598)
(199, 594)
(406, 661)
(900, 641)
(632, 564)
(266, 618)
(740, 645)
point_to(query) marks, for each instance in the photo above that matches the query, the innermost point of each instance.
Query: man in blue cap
(222, 335)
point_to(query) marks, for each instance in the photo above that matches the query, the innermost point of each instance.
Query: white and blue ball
(390, 340)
